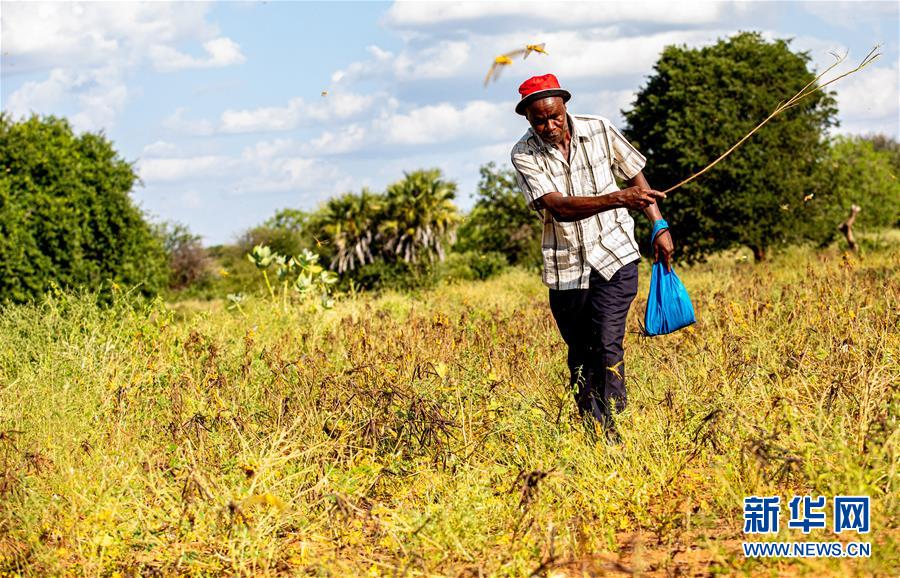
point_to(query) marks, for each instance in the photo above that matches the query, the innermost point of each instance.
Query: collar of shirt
(548, 149)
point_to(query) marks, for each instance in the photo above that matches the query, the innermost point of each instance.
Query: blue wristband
(658, 226)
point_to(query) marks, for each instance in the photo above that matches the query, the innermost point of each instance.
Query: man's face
(548, 119)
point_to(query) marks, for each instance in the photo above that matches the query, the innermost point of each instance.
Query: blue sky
(220, 108)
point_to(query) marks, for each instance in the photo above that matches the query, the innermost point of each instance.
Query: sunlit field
(432, 434)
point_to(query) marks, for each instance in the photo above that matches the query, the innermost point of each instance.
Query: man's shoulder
(525, 145)
(591, 124)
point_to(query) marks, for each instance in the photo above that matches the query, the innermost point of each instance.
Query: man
(566, 167)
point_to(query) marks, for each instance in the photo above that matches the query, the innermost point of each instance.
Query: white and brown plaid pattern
(598, 152)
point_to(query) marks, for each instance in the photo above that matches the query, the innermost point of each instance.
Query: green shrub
(66, 217)
(189, 263)
(856, 173)
(471, 266)
(399, 275)
(500, 221)
(282, 240)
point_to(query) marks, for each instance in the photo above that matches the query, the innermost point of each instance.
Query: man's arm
(652, 210)
(564, 208)
(663, 246)
(539, 192)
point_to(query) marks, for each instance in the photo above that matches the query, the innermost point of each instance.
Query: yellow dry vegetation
(432, 434)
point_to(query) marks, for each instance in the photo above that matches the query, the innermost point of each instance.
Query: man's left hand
(663, 247)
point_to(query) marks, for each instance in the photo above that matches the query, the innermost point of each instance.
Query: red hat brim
(539, 94)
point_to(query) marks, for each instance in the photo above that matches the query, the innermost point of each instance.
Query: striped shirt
(597, 154)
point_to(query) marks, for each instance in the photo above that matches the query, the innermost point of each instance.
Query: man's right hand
(638, 198)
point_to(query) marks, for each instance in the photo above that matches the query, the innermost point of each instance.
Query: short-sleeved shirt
(597, 154)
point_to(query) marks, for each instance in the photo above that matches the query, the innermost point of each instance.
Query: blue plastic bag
(668, 306)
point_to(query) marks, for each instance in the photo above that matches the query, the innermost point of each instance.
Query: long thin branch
(793, 101)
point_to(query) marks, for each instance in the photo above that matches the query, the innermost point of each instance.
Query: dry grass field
(431, 434)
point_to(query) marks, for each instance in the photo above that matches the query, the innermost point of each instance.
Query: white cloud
(821, 52)
(298, 112)
(99, 94)
(850, 14)
(283, 174)
(445, 122)
(264, 167)
(417, 14)
(263, 119)
(101, 107)
(869, 101)
(598, 52)
(90, 50)
(177, 122)
(220, 52)
(473, 122)
(187, 168)
(444, 59)
(345, 139)
(607, 103)
(159, 148)
(43, 35)
(280, 166)
(41, 94)
(870, 93)
(268, 149)
(343, 105)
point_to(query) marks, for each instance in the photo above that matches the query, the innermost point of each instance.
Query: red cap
(538, 87)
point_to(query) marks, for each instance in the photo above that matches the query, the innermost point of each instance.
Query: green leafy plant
(302, 273)
(234, 302)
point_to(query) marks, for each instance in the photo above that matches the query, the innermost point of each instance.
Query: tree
(293, 220)
(501, 220)
(419, 217)
(885, 144)
(856, 173)
(286, 233)
(380, 240)
(66, 216)
(188, 261)
(349, 224)
(282, 241)
(699, 102)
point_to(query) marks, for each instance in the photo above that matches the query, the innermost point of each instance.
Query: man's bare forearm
(651, 211)
(567, 209)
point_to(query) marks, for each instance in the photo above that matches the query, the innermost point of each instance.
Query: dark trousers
(592, 323)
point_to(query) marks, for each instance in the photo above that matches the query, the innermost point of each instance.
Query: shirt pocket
(624, 219)
(595, 167)
(563, 260)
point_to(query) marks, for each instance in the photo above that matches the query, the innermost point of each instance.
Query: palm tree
(350, 224)
(419, 216)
